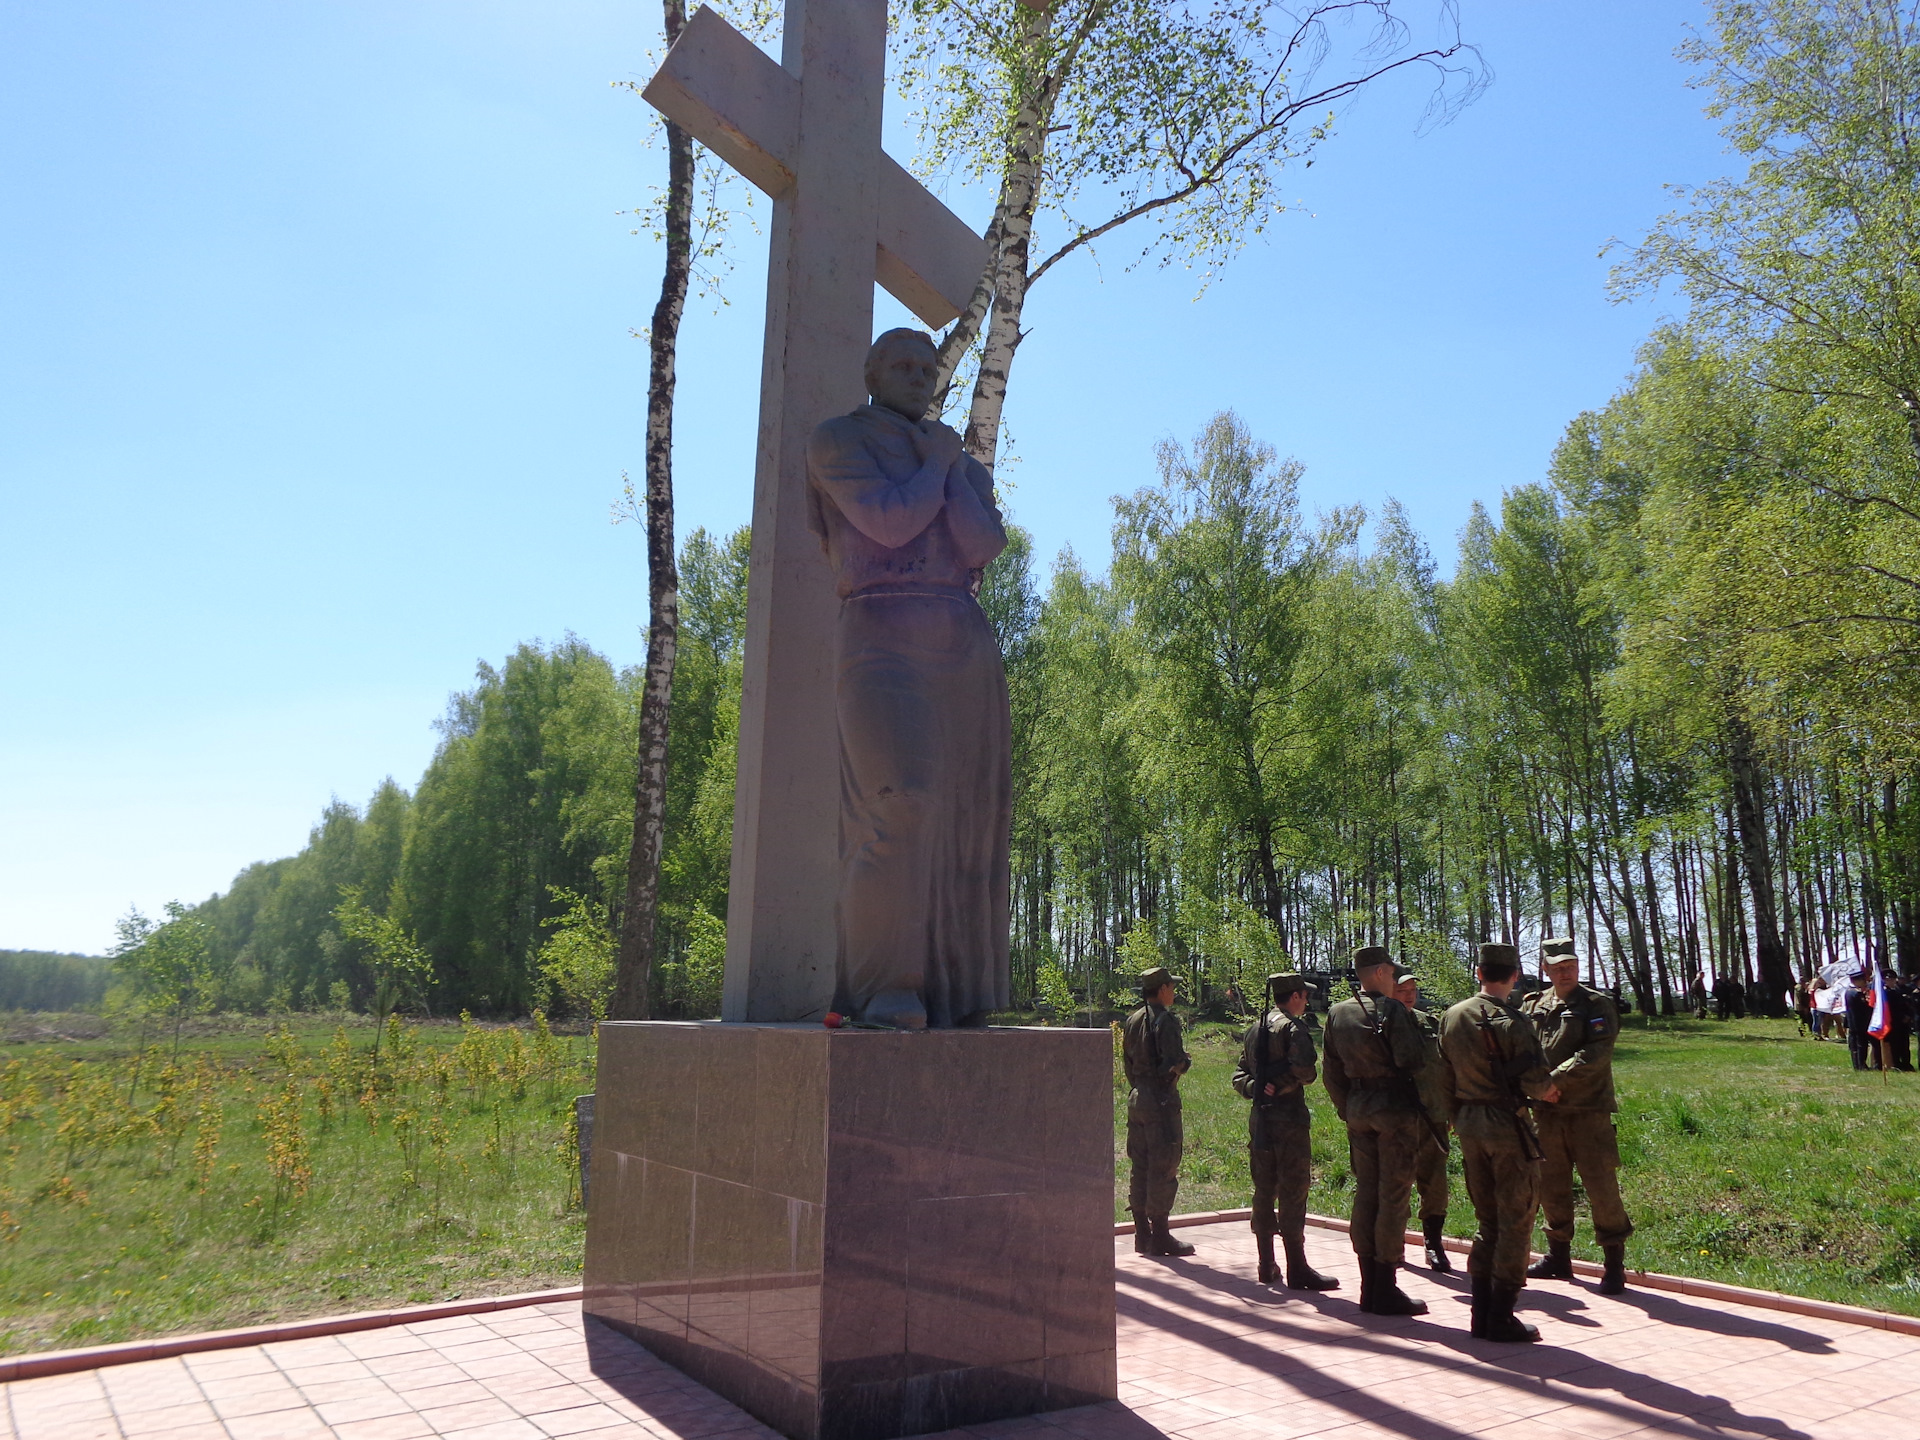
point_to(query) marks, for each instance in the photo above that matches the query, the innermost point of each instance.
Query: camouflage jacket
(1374, 1055)
(1277, 1051)
(1155, 1058)
(1576, 1036)
(1491, 1067)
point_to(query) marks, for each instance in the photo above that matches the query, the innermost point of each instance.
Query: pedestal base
(856, 1235)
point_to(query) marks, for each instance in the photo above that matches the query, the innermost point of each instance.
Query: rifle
(1505, 1070)
(1264, 1071)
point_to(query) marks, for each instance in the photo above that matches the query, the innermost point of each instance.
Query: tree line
(1664, 702)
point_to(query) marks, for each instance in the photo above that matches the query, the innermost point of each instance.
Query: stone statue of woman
(908, 523)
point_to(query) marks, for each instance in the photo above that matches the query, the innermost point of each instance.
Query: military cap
(1368, 956)
(1500, 959)
(1279, 985)
(1405, 978)
(1553, 951)
(1152, 980)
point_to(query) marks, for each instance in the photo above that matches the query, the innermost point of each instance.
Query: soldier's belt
(1379, 1083)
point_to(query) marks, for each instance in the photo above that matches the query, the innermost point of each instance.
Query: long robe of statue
(908, 522)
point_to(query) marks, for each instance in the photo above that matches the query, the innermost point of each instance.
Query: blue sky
(316, 382)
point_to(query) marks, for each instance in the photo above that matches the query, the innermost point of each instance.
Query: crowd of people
(1837, 1004)
(1525, 1087)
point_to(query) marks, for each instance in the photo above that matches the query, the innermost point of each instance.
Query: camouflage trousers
(1382, 1149)
(1581, 1140)
(1502, 1182)
(1155, 1140)
(1430, 1178)
(1282, 1175)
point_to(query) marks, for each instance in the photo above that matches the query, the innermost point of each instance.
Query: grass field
(272, 1173)
(1748, 1154)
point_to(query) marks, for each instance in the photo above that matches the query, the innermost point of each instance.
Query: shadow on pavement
(1641, 1399)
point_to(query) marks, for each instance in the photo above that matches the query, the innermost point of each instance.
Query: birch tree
(693, 251)
(1173, 121)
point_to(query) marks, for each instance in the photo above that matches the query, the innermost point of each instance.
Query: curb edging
(129, 1352)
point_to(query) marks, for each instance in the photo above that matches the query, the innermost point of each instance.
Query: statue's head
(903, 370)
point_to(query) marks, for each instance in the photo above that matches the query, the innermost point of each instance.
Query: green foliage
(692, 984)
(400, 969)
(167, 967)
(1052, 989)
(578, 958)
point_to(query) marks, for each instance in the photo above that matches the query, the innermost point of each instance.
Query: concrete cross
(806, 131)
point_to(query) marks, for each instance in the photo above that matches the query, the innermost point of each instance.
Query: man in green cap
(1430, 1165)
(1155, 1059)
(1276, 1066)
(1492, 1067)
(1577, 1026)
(1375, 1054)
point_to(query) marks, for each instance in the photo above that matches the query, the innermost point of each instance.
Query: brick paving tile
(258, 1402)
(458, 1392)
(1205, 1354)
(363, 1407)
(580, 1420)
(514, 1429)
(564, 1396)
(281, 1425)
(409, 1426)
(420, 1375)
(468, 1413)
(221, 1387)
(144, 1420)
(304, 1372)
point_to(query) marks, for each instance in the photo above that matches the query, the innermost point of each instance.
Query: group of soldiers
(1527, 1089)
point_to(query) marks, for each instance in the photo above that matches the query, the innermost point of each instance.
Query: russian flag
(1881, 1025)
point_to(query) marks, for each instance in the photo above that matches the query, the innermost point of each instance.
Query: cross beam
(740, 103)
(807, 131)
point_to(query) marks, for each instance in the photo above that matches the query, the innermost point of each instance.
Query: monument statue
(908, 523)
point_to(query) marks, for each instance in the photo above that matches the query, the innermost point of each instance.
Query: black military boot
(1502, 1324)
(1301, 1275)
(1269, 1272)
(1142, 1233)
(1366, 1284)
(1163, 1241)
(1388, 1297)
(1482, 1304)
(1613, 1279)
(1556, 1264)
(1437, 1260)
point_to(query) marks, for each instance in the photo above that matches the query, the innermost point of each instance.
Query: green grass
(273, 1174)
(1748, 1155)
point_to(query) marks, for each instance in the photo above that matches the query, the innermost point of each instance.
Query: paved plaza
(1205, 1354)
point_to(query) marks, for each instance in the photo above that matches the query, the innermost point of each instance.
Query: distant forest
(1255, 738)
(46, 980)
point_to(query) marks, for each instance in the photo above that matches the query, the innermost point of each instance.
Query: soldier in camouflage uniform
(1492, 1067)
(1155, 1059)
(1430, 1165)
(1374, 1057)
(1277, 1063)
(1577, 1027)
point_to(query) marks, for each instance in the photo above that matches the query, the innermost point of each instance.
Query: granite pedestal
(857, 1234)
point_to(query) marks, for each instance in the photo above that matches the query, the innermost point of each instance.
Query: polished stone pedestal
(857, 1234)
